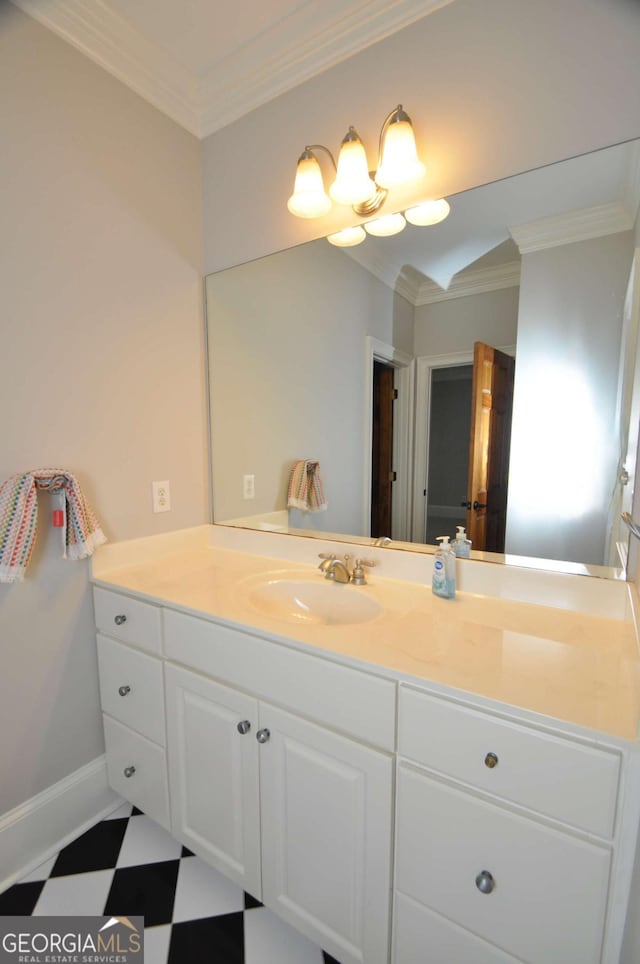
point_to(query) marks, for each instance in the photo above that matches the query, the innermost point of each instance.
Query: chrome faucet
(338, 570)
(344, 570)
(382, 541)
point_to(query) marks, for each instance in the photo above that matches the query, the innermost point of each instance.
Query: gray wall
(453, 325)
(563, 452)
(287, 367)
(101, 366)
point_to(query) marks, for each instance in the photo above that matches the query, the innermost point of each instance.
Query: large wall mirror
(539, 266)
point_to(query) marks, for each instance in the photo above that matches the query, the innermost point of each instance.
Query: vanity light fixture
(354, 184)
(386, 226)
(347, 238)
(428, 213)
(366, 191)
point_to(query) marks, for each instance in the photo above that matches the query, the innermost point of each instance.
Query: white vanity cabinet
(298, 814)
(283, 766)
(503, 838)
(132, 696)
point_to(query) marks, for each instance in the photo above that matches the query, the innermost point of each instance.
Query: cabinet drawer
(549, 888)
(131, 688)
(146, 786)
(359, 704)
(128, 619)
(572, 782)
(416, 929)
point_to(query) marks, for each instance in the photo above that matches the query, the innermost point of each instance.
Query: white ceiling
(205, 63)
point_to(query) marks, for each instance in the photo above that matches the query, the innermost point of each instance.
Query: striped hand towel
(305, 487)
(19, 517)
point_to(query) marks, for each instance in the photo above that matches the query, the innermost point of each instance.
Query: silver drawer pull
(123, 690)
(485, 882)
(263, 735)
(120, 619)
(243, 727)
(129, 771)
(491, 760)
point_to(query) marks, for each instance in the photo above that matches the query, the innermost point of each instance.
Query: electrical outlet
(248, 486)
(161, 493)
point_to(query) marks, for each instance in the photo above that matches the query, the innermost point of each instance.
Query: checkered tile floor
(128, 865)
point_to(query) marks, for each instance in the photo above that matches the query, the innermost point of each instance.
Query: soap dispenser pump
(444, 570)
(462, 545)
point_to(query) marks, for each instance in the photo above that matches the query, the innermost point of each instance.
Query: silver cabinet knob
(485, 882)
(120, 619)
(129, 771)
(263, 735)
(123, 690)
(243, 727)
(491, 760)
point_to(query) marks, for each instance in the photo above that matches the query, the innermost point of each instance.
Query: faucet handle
(358, 577)
(327, 559)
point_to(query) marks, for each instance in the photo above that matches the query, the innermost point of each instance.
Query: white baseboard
(39, 827)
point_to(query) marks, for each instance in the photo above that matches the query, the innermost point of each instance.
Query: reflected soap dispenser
(444, 570)
(462, 545)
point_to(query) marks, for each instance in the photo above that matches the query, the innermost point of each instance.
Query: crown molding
(471, 283)
(425, 292)
(579, 225)
(631, 198)
(292, 51)
(408, 288)
(297, 49)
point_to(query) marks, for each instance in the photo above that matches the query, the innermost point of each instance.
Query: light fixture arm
(310, 148)
(366, 191)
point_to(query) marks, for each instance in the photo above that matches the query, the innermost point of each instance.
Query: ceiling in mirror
(585, 196)
(537, 264)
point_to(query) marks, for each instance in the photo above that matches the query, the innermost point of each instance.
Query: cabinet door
(326, 836)
(213, 774)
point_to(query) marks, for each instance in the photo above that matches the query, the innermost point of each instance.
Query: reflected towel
(19, 519)
(305, 487)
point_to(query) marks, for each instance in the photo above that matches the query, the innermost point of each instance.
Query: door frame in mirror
(403, 433)
(425, 365)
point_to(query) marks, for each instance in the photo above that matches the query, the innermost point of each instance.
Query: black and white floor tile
(128, 865)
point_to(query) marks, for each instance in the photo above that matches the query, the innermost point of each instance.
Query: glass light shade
(385, 226)
(309, 199)
(400, 162)
(429, 212)
(352, 184)
(347, 238)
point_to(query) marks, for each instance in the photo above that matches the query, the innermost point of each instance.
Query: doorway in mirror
(382, 473)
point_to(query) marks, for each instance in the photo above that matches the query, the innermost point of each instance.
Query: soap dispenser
(444, 570)
(462, 545)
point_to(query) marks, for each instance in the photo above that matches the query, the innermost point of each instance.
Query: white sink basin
(309, 601)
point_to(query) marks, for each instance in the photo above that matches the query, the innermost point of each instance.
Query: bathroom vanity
(398, 778)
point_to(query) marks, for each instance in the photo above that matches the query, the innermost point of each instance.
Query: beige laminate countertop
(566, 665)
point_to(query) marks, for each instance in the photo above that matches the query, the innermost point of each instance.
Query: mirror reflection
(308, 347)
